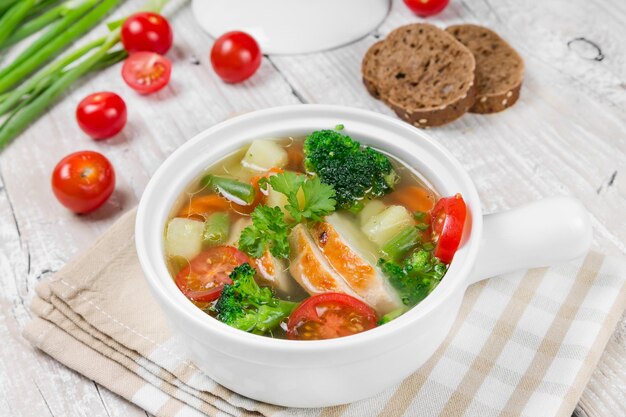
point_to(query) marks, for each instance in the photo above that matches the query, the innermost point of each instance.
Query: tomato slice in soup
(447, 222)
(330, 315)
(204, 278)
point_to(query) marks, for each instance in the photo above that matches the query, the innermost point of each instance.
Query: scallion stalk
(64, 32)
(34, 25)
(20, 120)
(14, 96)
(13, 17)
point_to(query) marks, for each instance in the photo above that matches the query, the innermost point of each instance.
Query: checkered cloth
(523, 344)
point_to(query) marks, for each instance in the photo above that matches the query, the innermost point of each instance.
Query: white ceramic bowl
(337, 371)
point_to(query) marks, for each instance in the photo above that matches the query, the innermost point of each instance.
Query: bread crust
(493, 55)
(443, 60)
(432, 118)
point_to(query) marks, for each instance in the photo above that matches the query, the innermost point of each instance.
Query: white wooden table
(566, 135)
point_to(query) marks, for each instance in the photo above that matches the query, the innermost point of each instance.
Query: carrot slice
(414, 198)
(200, 206)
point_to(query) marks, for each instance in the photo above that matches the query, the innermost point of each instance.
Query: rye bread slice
(499, 68)
(423, 73)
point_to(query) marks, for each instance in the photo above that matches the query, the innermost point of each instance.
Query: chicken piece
(348, 251)
(235, 231)
(310, 268)
(273, 272)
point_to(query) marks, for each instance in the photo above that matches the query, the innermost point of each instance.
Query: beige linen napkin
(523, 344)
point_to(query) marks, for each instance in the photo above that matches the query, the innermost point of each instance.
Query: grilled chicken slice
(347, 251)
(273, 272)
(310, 268)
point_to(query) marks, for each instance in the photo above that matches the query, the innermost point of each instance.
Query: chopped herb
(268, 231)
(318, 199)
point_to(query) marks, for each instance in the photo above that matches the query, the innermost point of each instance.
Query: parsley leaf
(268, 230)
(318, 198)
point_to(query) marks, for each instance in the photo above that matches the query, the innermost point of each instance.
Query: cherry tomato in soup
(204, 278)
(330, 315)
(146, 72)
(147, 31)
(101, 115)
(83, 181)
(235, 56)
(448, 219)
(426, 7)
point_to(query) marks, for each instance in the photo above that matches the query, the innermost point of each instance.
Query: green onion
(13, 97)
(28, 101)
(399, 245)
(233, 190)
(216, 228)
(17, 122)
(43, 6)
(34, 25)
(53, 41)
(13, 17)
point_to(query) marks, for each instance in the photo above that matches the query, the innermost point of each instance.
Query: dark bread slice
(424, 74)
(499, 68)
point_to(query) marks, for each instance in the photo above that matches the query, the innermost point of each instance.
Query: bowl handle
(534, 235)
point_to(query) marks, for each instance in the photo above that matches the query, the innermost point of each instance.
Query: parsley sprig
(308, 199)
(268, 230)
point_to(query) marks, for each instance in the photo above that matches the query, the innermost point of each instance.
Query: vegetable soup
(310, 238)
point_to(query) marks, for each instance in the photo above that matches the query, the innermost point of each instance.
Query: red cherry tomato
(426, 7)
(101, 115)
(330, 315)
(235, 56)
(83, 181)
(203, 279)
(448, 219)
(146, 72)
(148, 32)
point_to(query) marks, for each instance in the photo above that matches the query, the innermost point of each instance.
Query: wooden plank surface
(566, 135)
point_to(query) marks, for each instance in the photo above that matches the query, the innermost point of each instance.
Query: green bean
(216, 228)
(53, 41)
(13, 17)
(233, 190)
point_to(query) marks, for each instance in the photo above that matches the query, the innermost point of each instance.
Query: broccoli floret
(356, 173)
(416, 277)
(248, 307)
